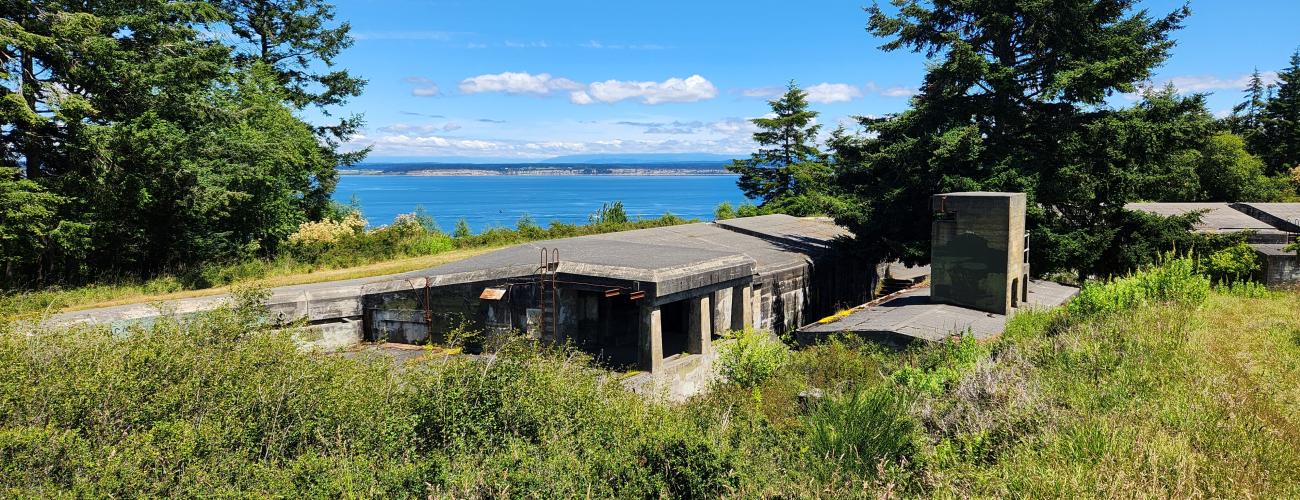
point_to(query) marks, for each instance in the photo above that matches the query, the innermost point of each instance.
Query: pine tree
(1279, 140)
(779, 171)
(1245, 119)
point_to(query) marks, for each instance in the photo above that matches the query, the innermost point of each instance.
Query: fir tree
(1013, 100)
(1245, 119)
(1279, 143)
(788, 168)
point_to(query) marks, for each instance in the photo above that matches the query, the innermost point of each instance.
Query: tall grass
(1174, 390)
(1175, 280)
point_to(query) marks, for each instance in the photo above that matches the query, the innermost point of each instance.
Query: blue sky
(520, 80)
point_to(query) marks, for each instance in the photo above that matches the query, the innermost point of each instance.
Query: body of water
(495, 201)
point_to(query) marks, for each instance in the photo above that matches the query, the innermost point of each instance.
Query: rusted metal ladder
(548, 292)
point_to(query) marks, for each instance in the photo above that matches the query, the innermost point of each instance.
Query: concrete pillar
(742, 307)
(651, 353)
(721, 311)
(699, 333)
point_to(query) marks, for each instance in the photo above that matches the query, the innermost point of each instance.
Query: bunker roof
(1218, 217)
(735, 247)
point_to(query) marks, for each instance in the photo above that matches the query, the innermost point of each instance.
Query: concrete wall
(977, 250)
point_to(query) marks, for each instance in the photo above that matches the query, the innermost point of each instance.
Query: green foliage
(748, 209)
(27, 216)
(1177, 280)
(1024, 117)
(222, 403)
(1277, 140)
(859, 430)
(788, 173)
(462, 229)
(724, 211)
(1233, 264)
(166, 146)
(750, 357)
(937, 368)
(610, 214)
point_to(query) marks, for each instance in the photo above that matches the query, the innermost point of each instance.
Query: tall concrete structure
(978, 251)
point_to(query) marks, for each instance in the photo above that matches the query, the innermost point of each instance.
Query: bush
(1177, 280)
(724, 211)
(689, 466)
(862, 428)
(1232, 264)
(751, 358)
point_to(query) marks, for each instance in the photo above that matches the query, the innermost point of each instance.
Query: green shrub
(1232, 264)
(862, 428)
(689, 466)
(937, 366)
(1247, 289)
(724, 211)
(1176, 280)
(751, 357)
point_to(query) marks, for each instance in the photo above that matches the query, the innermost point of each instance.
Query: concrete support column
(699, 333)
(651, 352)
(721, 311)
(742, 307)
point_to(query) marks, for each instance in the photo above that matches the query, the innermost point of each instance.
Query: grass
(1161, 388)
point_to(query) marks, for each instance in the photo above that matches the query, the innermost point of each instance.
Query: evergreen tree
(1015, 100)
(294, 38)
(1279, 139)
(1246, 116)
(155, 145)
(788, 172)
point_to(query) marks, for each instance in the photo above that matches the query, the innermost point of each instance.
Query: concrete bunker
(652, 300)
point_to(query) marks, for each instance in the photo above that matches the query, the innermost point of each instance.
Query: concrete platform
(912, 316)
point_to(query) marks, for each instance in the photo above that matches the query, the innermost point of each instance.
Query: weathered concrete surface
(1282, 216)
(679, 378)
(769, 271)
(1279, 266)
(913, 316)
(1218, 218)
(977, 250)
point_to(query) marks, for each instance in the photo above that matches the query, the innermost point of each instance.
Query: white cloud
(424, 87)
(542, 140)
(690, 89)
(579, 97)
(762, 91)
(1206, 83)
(527, 45)
(403, 35)
(826, 93)
(517, 83)
(597, 44)
(899, 92)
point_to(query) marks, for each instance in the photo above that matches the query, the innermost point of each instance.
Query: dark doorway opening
(674, 320)
(608, 328)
